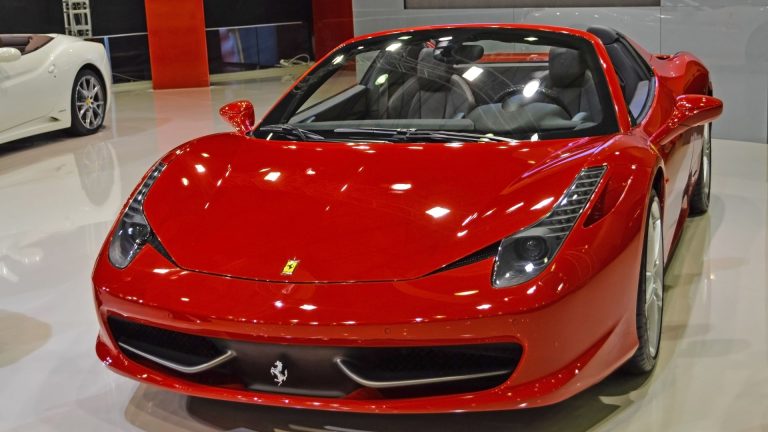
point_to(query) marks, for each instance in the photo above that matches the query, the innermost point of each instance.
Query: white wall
(730, 36)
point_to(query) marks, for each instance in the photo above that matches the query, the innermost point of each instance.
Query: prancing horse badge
(290, 266)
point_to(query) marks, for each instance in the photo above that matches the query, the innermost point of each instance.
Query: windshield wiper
(407, 134)
(289, 129)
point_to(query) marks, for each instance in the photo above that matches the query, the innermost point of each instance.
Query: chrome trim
(404, 383)
(181, 368)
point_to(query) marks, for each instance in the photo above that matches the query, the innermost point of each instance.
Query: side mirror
(8, 54)
(690, 111)
(240, 115)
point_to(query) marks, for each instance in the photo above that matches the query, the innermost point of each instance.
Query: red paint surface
(239, 114)
(333, 24)
(177, 47)
(575, 321)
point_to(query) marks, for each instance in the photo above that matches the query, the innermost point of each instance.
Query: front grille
(190, 345)
(315, 370)
(393, 364)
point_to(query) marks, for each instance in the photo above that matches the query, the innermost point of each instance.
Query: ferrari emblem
(290, 266)
(277, 372)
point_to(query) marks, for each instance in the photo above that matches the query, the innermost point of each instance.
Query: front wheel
(88, 103)
(650, 293)
(700, 195)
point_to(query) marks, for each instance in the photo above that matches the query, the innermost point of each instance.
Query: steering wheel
(542, 95)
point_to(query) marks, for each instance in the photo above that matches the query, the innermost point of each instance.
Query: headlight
(132, 231)
(527, 253)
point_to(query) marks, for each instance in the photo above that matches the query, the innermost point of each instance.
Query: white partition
(730, 36)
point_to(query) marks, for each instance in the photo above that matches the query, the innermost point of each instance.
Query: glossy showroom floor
(58, 197)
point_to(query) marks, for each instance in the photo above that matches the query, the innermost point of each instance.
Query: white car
(50, 82)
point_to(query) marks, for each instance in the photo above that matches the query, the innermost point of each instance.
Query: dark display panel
(129, 57)
(111, 17)
(31, 16)
(233, 13)
(256, 47)
(475, 4)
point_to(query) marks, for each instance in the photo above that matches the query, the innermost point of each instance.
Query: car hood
(243, 207)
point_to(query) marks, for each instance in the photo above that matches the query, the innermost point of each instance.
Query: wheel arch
(657, 185)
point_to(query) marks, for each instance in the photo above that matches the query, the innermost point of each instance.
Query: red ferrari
(449, 218)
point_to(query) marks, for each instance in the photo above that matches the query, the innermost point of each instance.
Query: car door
(637, 83)
(26, 87)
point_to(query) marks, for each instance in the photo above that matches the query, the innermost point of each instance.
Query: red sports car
(449, 218)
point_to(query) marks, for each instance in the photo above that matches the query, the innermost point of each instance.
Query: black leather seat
(434, 93)
(571, 82)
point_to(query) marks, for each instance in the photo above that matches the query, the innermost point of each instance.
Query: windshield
(473, 82)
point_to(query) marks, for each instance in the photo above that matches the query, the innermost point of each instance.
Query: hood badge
(290, 267)
(277, 372)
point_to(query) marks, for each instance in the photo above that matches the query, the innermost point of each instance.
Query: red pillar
(177, 50)
(332, 22)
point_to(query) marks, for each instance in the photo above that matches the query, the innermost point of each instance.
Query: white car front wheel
(88, 103)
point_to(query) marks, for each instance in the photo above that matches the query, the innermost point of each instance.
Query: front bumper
(574, 323)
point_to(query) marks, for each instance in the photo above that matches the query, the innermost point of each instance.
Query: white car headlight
(132, 231)
(527, 253)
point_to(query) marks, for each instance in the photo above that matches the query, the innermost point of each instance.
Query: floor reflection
(20, 335)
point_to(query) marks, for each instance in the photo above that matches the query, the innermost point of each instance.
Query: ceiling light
(472, 73)
(394, 46)
(542, 203)
(531, 88)
(437, 212)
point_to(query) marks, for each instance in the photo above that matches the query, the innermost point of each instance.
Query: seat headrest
(566, 66)
(432, 74)
(453, 54)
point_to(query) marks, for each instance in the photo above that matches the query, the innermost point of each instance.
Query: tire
(701, 190)
(87, 103)
(649, 310)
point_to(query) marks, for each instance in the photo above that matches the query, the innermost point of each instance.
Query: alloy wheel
(89, 101)
(654, 277)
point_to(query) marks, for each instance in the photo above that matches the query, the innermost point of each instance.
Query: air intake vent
(318, 370)
(482, 254)
(565, 213)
